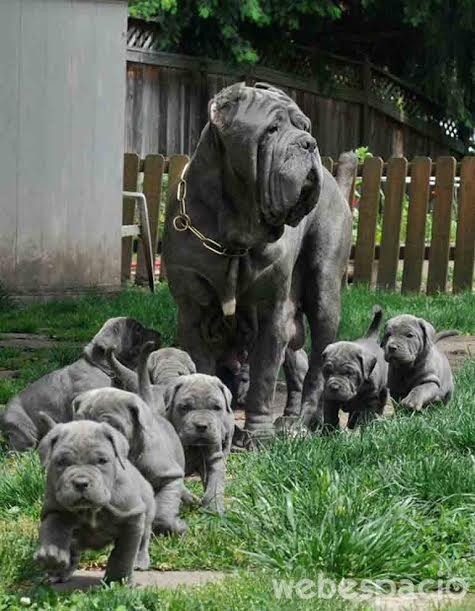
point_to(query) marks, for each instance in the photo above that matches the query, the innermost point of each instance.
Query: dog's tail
(127, 378)
(145, 386)
(346, 172)
(373, 329)
(443, 334)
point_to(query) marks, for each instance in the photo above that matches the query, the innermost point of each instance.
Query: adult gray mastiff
(155, 448)
(355, 378)
(257, 235)
(199, 407)
(94, 496)
(53, 393)
(419, 373)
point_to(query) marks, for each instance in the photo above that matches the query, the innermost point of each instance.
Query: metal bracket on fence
(142, 230)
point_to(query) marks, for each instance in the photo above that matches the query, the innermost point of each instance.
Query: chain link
(182, 222)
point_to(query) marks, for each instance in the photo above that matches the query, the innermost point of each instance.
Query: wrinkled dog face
(199, 407)
(406, 338)
(345, 368)
(125, 336)
(266, 139)
(82, 459)
(98, 406)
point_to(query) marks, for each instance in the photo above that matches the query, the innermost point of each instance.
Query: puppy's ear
(119, 443)
(139, 412)
(386, 335)
(46, 422)
(170, 392)
(325, 353)
(368, 363)
(46, 447)
(428, 334)
(228, 397)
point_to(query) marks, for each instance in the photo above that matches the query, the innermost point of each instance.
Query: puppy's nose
(308, 143)
(80, 483)
(392, 348)
(201, 428)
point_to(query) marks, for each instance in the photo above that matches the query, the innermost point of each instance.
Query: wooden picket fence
(386, 195)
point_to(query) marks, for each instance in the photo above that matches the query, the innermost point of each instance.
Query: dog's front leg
(213, 481)
(422, 395)
(121, 561)
(265, 361)
(54, 549)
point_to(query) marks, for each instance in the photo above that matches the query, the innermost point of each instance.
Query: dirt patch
(421, 602)
(458, 349)
(86, 580)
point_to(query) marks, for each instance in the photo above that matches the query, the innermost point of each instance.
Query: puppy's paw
(53, 558)
(213, 504)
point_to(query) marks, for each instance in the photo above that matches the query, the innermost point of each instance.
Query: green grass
(394, 501)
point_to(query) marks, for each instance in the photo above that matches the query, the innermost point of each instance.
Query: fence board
(367, 219)
(440, 242)
(465, 244)
(395, 188)
(131, 173)
(152, 188)
(327, 163)
(416, 224)
(175, 168)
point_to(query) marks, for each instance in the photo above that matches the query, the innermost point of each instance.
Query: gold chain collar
(182, 222)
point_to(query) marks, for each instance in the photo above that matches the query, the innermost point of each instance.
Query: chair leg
(146, 241)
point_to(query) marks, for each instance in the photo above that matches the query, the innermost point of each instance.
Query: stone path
(86, 580)
(32, 341)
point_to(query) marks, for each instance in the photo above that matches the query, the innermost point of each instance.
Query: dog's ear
(386, 335)
(139, 411)
(228, 397)
(367, 362)
(118, 442)
(47, 444)
(170, 391)
(46, 422)
(428, 334)
(222, 108)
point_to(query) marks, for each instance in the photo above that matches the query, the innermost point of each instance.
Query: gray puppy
(155, 370)
(419, 373)
(155, 448)
(94, 496)
(53, 393)
(199, 407)
(355, 378)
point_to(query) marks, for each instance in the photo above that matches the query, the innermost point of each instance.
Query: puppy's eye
(216, 407)
(62, 462)
(272, 129)
(410, 335)
(186, 408)
(102, 460)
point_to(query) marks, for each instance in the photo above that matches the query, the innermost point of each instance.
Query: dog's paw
(142, 562)
(213, 504)
(53, 558)
(411, 403)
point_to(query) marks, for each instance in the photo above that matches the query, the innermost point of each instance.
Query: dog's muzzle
(81, 488)
(338, 390)
(200, 429)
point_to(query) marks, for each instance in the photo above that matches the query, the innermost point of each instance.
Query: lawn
(394, 502)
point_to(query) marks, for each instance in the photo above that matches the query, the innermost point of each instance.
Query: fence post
(440, 242)
(367, 219)
(389, 254)
(465, 243)
(152, 188)
(131, 173)
(416, 224)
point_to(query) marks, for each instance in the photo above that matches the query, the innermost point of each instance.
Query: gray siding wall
(62, 90)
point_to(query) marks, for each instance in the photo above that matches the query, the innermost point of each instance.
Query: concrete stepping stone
(84, 580)
(6, 374)
(33, 341)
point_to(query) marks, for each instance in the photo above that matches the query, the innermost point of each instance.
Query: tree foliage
(428, 42)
